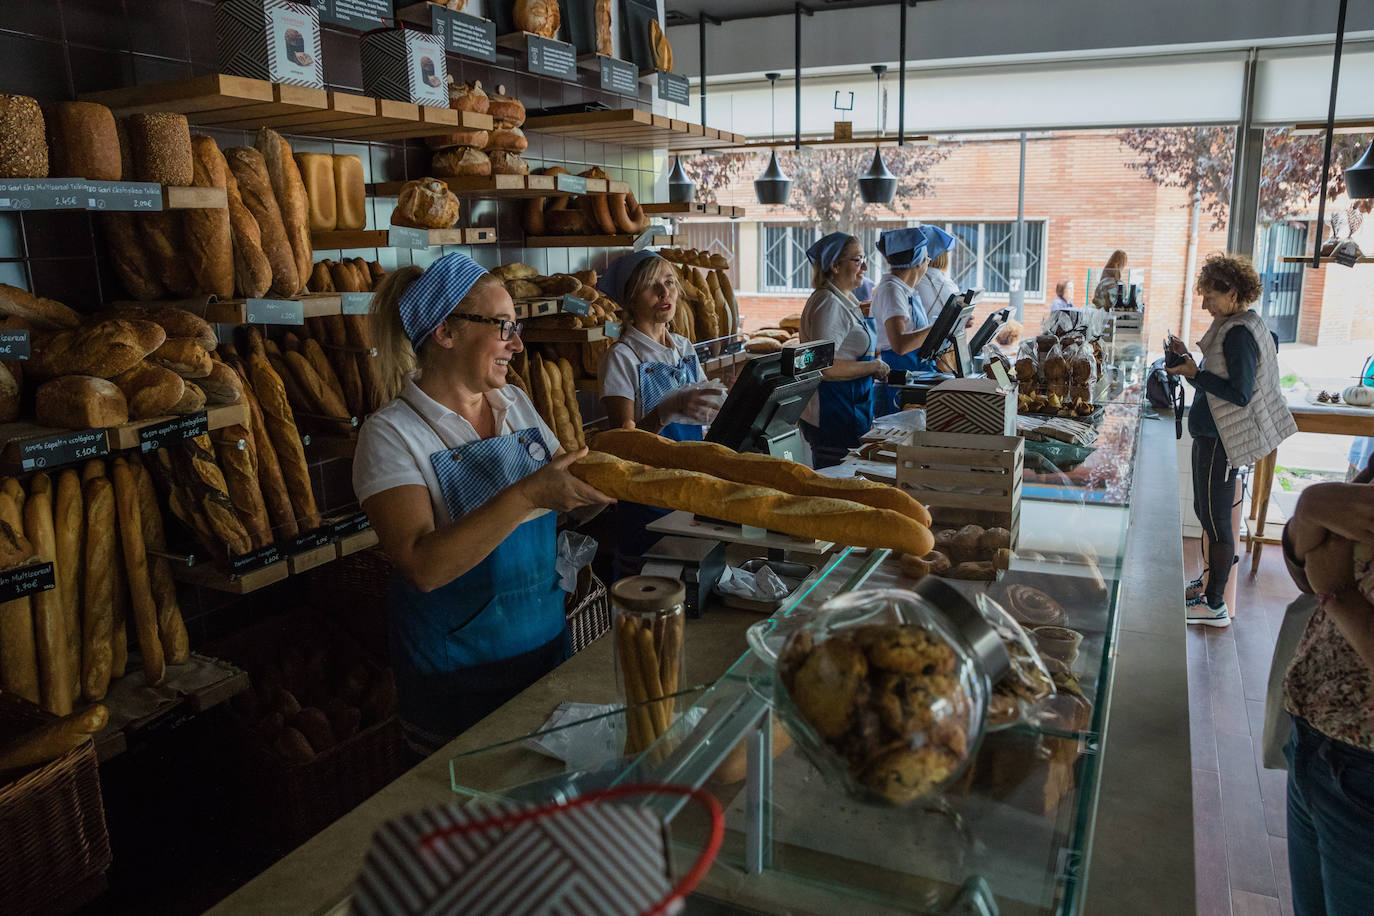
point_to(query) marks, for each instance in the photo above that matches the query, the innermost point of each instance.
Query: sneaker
(1199, 611)
(1192, 588)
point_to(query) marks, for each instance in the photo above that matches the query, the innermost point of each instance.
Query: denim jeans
(1330, 824)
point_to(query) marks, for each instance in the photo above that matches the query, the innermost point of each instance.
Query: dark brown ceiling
(683, 11)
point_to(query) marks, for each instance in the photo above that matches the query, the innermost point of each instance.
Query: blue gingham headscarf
(615, 278)
(429, 300)
(826, 251)
(938, 241)
(903, 248)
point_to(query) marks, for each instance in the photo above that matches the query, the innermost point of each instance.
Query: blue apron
(885, 402)
(467, 647)
(846, 413)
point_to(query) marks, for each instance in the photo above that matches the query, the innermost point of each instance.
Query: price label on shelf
(353, 524)
(26, 580)
(169, 432)
(63, 448)
(43, 194)
(14, 344)
(674, 87)
(460, 33)
(646, 238)
(575, 305)
(612, 330)
(354, 14)
(548, 57)
(255, 559)
(355, 303)
(123, 195)
(703, 352)
(570, 184)
(308, 541)
(407, 237)
(619, 76)
(274, 311)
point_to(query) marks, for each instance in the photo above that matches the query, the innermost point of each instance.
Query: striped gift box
(971, 405)
(602, 859)
(273, 40)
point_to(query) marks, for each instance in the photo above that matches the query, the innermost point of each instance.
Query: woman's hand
(1177, 345)
(880, 369)
(1330, 567)
(554, 487)
(1187, 368)
(1344, 509)
(701, 404)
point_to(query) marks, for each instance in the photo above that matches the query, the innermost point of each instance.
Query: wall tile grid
(58, 49)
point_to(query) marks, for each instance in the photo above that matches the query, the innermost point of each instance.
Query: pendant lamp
(681, 189)
(1359, 178)
(878, 185)
(773, 186)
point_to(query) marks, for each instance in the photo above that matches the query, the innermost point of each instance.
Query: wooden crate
(965, 479)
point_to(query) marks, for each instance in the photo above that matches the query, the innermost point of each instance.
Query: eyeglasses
(509, 328)
(858, 260)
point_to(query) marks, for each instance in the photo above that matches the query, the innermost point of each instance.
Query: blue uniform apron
(465, 648)
(886, 400)
(846, 413)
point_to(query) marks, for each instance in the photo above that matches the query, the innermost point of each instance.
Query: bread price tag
(548, 57)
(273, 311)
(575, 305)
(43, 194)
(353, 524)
(470, 36)
(355, 303)
(63, 448)
(354, 14)
(407, 237)
(310, 540)
(619, 76)
(674, 87)
(570, 184)
(26, 580)
(255, 559)
(612, 330)
(123, 195)
(169, 432)
(14, 344)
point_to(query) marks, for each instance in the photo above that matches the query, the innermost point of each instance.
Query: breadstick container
(648, 614)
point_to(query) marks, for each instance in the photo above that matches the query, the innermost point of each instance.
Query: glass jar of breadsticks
(648, 614)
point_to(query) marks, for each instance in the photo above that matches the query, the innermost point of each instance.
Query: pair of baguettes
(551, 387)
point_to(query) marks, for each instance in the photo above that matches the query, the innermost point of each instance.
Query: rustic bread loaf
(23, 144)
(104, 349)
(184, 356)
(162, 238)
(175, 321)
(131, 260)
(136, 570)
(160, 147)
(176, 643)
(255, 187)
(270, 478)
(222, 385)
(80, 402)
(252, 269)
(289, 189)
(40, 313)
(238, 460)
(208, 233)
(83, 142)
(426, 203)
(192, 399)
(151, 391)
(286, 440)
(460, 162)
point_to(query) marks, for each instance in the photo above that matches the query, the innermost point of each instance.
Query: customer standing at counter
(1238, 416)
(457, 475)
(1063, 296)
(841, 411)
(902, 321)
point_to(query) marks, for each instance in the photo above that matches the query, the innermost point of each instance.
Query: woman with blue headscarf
(935, 287)
(901, 319)
(842, 409)
(460, 479)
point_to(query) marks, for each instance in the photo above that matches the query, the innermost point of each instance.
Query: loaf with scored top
(104, 349)
(255, 188)
(270, 479)
(207, 230)
(291, 196)
(151, 391)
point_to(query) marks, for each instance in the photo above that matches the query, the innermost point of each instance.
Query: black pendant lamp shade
(1359, 178)
(773, 186)
(878, 185)
(681, 189)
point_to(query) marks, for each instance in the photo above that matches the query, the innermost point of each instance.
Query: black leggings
(1214, 495)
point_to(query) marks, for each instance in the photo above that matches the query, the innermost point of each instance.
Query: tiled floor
(1238, 806)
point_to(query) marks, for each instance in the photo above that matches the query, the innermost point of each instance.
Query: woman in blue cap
(936, 287)
(460, 479)
(902, 322)
(646, 376)
(842, 409)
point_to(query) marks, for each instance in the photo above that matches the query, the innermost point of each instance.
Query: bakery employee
(842, 409)
(936, 287)
(645, 375)
(458, 474)
(902, 322)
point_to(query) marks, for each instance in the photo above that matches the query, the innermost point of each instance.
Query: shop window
(785, 268)
(982, 256)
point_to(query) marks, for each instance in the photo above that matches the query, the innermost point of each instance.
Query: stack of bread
(479, 153)
(101, 529)
(769, 340)
(1056, 374)
(589, 214)
(712, 312)
(523, 282)
(334, 191)
(550, 382)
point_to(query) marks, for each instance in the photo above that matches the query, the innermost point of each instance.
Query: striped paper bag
(602, 859)
(971, 405)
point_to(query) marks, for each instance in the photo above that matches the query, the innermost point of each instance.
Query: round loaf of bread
(475, 139)
(461, 162)
(84, 142)
(504, 109)
(510, 139)
(23, 141)
(468, 97)
(160, 147)
(504, 162)
(425, 204)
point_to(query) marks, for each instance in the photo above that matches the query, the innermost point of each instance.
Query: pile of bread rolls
(334, 191)
(101, 529)
(773, 339)
(587, 214)
(707, 309)
(479, 153)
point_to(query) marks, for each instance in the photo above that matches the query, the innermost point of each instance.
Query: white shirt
(394, 444)
(619, 369)
(834, 315)
(892, 299)
(935, 288)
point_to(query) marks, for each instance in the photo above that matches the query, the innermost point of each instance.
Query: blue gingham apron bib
(657, 381)
(846, 412)
(885, 399)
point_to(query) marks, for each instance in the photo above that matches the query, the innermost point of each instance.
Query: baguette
(357, 336)
(289, 188)
(171, 629)
(252, 269)
(543, 397)
(69, 526)
(16, 492)
(346, 363)
(136, 567)
(209, 238)
(755, 470)
(837, 520)
(118, 598)
(570, 393)
(312, 351)
(325, 401)
(723, 278)
(162, 239)
(255, 187)
(183, 503)
(562, 423)
(286, 440)
(18, 651)
(270, 478)
(241, 478)
(55, 677)
(195, 462)
(130, 259)
(54, 739)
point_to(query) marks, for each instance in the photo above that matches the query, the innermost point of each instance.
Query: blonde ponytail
(396, 358)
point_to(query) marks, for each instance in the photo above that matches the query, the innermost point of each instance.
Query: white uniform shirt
(619, 369)
(394, 444)
(892, 299)
(935, 288)
(832, 314)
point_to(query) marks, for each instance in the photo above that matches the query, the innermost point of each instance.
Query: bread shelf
(693, 209)
(380, 238)
(238, 102)
(537, 307)
(206, 575)
(634, 128)
(1326, 259)
(506, 186)
(127, 699)
(22, 194)
(236, 311)
(594, 241)
(535, 334)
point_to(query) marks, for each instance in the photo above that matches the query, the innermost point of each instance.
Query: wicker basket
(589, 617)
(52, 827)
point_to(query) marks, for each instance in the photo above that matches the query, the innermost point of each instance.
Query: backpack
(1157, 386)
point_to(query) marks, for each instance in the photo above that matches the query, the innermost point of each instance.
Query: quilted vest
(1251, 432)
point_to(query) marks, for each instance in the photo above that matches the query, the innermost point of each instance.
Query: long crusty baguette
(561, 423)
(119, 594)
(195, 462)
(54, 739)
(757, 470)
(209, 238)
(171, 629)
(320, 395)
(359, 338)
(289, 188)
(255, 187)
(240, 475)
(69, 525)
(18, 654)
(136, 566)
(837, 520)
(270, 479)
(49, 621)
(252, 269)
(286, 440)
(314, 353)
(570, 395)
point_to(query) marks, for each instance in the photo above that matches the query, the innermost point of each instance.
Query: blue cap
(903, 247)
(613, 279)
(825, 252)
(429, 300)
(938, 241)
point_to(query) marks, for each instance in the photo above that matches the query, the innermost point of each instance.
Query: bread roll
(136, 569)
(184, 356)
(317, 171)
(286, 440)
(351, 202)
(255, 187)
(176, 643)
(291, 198)
(130, 259)
(460, 162)
(151, 391)
(103, 350)
(207, 231)
(23, 140)
(55, 676)
(80, 402)
(160, 147)
(84, 142)
(18, 650)
(252, 268)
(53, 739)
(42, 314)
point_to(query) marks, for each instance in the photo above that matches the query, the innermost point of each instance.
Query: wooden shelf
(1326, 259)
(237, 102)
(634, 128)
(126, 700)
(537, 307)
(379, 238)
(505, 186)
(593, 241)
(535, 334)
(178, 198)
(207, 575)
(693, 209)
(235, 311)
